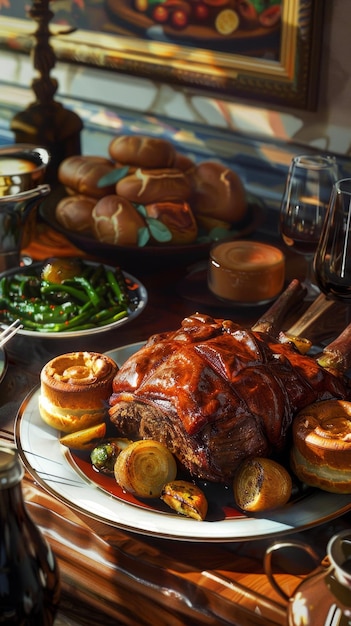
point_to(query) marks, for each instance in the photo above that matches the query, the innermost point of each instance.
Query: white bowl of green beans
(69, 297)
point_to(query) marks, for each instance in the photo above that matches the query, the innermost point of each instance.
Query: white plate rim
(141, 292)
(3, 364)
(49, 463)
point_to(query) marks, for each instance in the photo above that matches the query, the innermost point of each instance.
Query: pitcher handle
(37, 192)
(267, 561)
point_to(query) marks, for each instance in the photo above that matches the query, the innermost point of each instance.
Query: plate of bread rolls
(146, 202)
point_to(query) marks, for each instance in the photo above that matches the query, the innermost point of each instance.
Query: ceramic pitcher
(324, 597)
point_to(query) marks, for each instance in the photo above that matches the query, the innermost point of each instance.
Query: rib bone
(314, 311)
(271, 320)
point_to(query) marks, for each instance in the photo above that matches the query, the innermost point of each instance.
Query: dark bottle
(29, 575)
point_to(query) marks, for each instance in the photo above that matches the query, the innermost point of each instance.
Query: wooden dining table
(113, 576)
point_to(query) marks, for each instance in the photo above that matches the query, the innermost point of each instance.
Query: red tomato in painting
(160, 14)
(179, 19)
(200, 11)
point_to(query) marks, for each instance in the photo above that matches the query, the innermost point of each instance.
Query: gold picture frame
(286, 75)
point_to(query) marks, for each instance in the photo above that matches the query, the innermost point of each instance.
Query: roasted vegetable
(103, 457)
(261, 484)
(84, 439)
(302, 344)
(185, 498)
(56, 270)
(144, 467)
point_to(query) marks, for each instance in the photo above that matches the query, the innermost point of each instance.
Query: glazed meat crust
(215, 393)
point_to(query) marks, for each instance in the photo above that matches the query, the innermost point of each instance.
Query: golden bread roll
(183, 163)
(178, 217)
(148, 152)
(74, 390)
(116, 221)
(147, 186)
(75, 213)
(127, 169)
(81, 174)
(218, 197)
(321, 451)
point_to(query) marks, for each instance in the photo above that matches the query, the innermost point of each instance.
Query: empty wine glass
(332, 262)
(304, 204)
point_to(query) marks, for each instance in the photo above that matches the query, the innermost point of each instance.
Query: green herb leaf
(143, 236)
(218, 233)
(203, 239)
(113, 177)
(141, 209)
(158, 230)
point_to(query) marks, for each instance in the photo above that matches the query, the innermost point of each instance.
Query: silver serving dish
(22, 167)
(22, 174)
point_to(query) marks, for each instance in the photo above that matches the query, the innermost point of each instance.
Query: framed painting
(262, 50)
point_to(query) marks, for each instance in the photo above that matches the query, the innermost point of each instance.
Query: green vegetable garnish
(96, 297)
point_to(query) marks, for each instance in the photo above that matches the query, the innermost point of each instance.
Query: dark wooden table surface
(112, 576)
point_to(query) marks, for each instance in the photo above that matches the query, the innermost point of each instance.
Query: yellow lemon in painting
(141, 5)
(227, 21)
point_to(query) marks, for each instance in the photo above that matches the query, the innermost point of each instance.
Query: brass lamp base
(51, 126)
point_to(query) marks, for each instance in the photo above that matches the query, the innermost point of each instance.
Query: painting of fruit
(268, 50)
(224, 16)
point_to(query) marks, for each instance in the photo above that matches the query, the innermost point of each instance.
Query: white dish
(138, 292)
(52, 467)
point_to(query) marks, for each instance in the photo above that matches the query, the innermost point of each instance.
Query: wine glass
(304, 204)
(332, 261)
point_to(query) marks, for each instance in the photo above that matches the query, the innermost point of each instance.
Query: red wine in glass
(302, 242)
(332, 262)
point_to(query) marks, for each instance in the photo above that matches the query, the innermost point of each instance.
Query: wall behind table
(326, 129)
(256, 140)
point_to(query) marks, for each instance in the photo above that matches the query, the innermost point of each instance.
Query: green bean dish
(69, 296)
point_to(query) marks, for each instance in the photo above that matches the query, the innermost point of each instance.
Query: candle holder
(46, 122)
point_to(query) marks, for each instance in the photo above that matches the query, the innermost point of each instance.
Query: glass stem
(310, 278)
